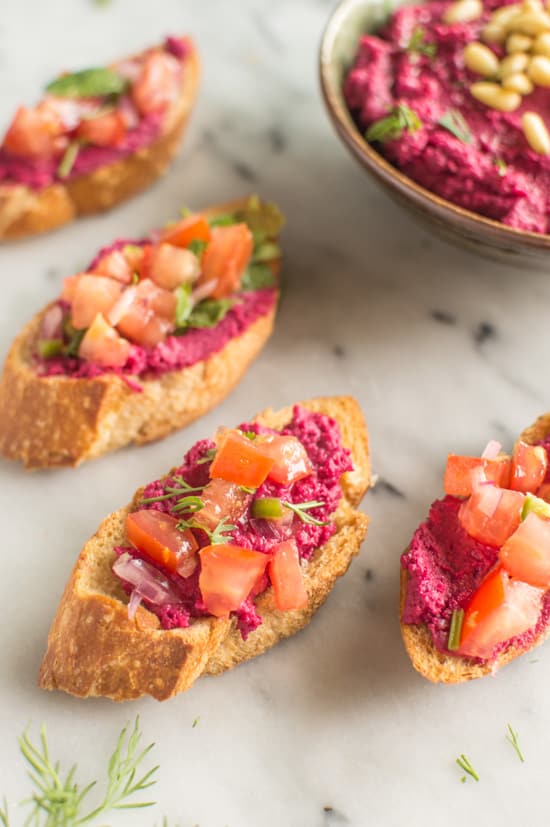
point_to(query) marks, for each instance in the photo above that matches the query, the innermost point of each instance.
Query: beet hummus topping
(241, 514)
(92, 118)
(478, 569)
(147, 307)
(457, 96)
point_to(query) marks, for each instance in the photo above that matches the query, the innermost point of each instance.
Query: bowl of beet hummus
(402, 99)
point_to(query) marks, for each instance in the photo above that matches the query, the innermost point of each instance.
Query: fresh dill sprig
(392, 126)
(419, 45)
(301, 510)
(221, 534)
(208, 457)
(183, 489)
(465, 765)
(513, 738)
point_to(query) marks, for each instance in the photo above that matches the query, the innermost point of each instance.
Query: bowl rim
(386, 172)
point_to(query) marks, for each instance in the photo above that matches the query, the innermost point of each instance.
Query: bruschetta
(475, 580)
(155, 333)
(219, 560)
(98, 137)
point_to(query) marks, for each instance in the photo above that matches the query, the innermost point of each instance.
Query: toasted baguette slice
(441, 668)
(25, 212)
(93, 647)
(56, 421)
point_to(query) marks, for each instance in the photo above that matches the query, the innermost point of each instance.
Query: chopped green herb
(266, 251)
(454, 123)
(48, 348)
(419, 45)
(184, 305)
(537, 505)
(209, 312)
(247, 489)
(208, 457)
(249, 434)
(223, 220)
(392, 126)
(456, 627)
(465, 765)
(221, 534)
(257, 277)
(198, 246)
(88, 83)
(263, 218)
(301, 509)
(185, 212)
(74, 345)
(180, 488)
(131, 250)
(68, 160)
(191, 504)
(501, 166)
(513, 738)
(267, 508)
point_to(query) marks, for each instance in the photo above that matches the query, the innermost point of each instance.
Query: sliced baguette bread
(58, 420)
(25, 211)
(95, 649)
(438, 667)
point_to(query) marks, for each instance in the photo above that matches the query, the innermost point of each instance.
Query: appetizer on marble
(475, 580)
(216, 562)
(155, 333)
(456, 95)
(98, 137)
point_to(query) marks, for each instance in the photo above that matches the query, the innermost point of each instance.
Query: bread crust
(95, 649)
(438, 667)
(25, 212)
(55, 421)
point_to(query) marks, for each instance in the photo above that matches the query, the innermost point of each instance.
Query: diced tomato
(526, 554)
(491, 514)
(227, 257)
(529, 464)
(544, 492)
(228, 575)
(69, 287)
(287, 577)
(157, 84)
(93, 295)
(171, 266)
(108, 129)
(192, 228)
(501, 609)
(291, 462)
(155, 534)
(221, 500)
(33, 133)
(115, 265)
(150, 315)
(144, 268)
(163, 302)
(102, 345)
(239, 460)
(458, 473)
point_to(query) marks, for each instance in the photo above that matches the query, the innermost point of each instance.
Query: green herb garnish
(457, 620)
(263, 218)
(221, 534)
(267, 508)
(223, 220)
(537, 505)
(418, 45)
(465, 765)
(454, 123)
(88, 83)
(185, 212)
(252, 435)
(301, 509)
(74, 345)
(513, 738)
(257, 277)
(57, 800)
(208, 313)
(68, 160)
(184, 305)
(48, 348)
(191, 504)
(197, 246)
(247, 489)
(501, 166)
(392, 126)
(208, 456)
(266, 251)
(131, 250)
(178, 488)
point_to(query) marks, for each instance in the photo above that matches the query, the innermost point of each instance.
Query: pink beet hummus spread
(42, 172)
(320, 436)
(445, 567)
(497, 174)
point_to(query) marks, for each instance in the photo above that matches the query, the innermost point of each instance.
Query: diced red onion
(187, 565)
(121, 306)
(273, 529)
(128, 69)
(51, 323)
(492, 450)
(135, 600)
(489, 499)
(203, 291)
(151, 584)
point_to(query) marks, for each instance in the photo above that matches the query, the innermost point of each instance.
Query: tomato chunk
(116, 266)
(33, 133)
(544, 492)
(501, 609)
(228, 575)
(239, 460)
(491, 514)
(222, 500)
(526, 554)
(529, 464)
(192, 228)
(290, 459)
(287, 578)
(157, 84)
(149, 316)
(171, 266)
(155, 534)
(102, 345)
(108, 129)
(226, 258)
(93, 295)
(458, 473)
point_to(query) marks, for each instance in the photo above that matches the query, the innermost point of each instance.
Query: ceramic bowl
(339, 45)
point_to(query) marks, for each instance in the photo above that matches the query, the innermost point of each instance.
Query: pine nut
(480, 59)
(531, 22)
(502, 16)
(539, 70)
(541, 44)
(536, 133)
(463, 11)
(519, 43)
(531, 5)
(495, 97)
(519, 83)
(513, 64)
(493, 33)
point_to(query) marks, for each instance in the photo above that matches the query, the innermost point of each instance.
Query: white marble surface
(443, 350)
